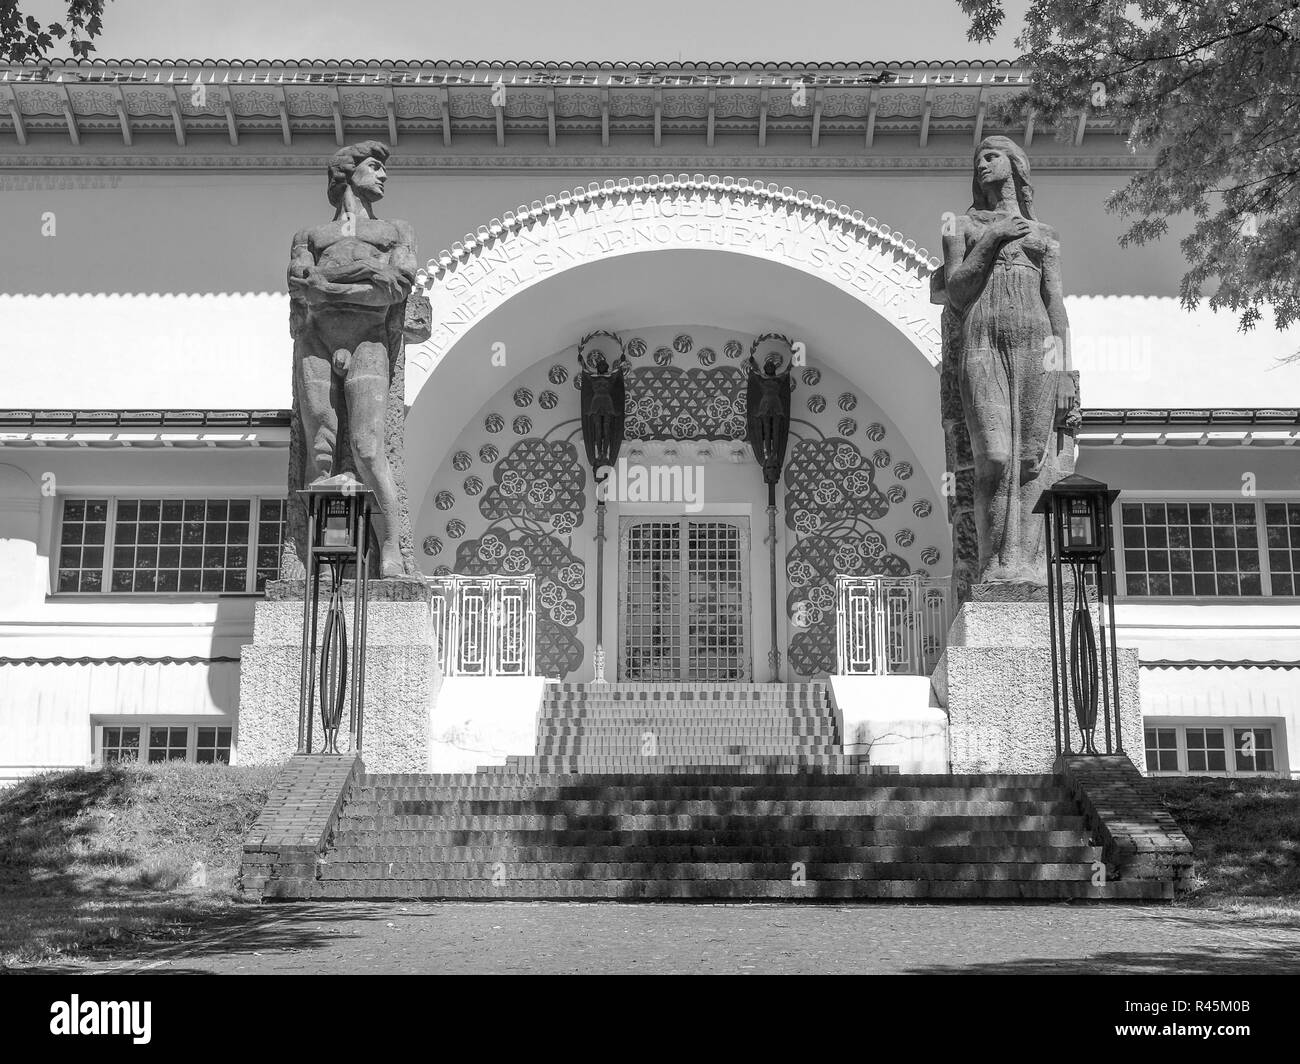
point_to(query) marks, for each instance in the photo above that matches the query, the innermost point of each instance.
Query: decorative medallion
(557, 374)
(522, 425)
(903, 470)
(523, 397)
(461, 461)
(847, 426)
(488, 453)
(432, 545)
(444, 500)
(494, 423)
(548, 400)
(816, 403)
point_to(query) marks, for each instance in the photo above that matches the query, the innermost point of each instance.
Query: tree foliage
(25, 39)
(1209, 88)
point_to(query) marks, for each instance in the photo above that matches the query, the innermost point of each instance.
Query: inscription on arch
(860, 256)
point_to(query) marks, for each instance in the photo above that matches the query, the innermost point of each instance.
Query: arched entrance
(688, 263)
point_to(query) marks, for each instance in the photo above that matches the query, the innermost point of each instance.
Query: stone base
(402, 679)
(995, 681)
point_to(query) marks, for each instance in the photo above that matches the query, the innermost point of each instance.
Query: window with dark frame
(186, 546)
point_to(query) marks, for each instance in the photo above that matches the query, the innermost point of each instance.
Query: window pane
(1253, 749)
(82, 535)
(271, 517)
(172, 536)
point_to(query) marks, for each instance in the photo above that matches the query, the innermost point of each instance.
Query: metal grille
(715, 634)
(684, 610)
(486, 625)
(652, 640)
(890, 625)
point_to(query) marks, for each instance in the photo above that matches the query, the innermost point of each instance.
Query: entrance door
(683, 598)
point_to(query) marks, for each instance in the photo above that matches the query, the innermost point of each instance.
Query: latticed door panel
(684, 604)
(715, 595)
(652, 645)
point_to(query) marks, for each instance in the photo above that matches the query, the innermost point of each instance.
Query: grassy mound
(90, 856)
(1245, 837)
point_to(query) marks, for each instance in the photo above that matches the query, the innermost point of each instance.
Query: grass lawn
(1245, 836)
(90, 857)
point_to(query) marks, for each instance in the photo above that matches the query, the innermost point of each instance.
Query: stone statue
(1006, 361)
(603, 398)
(767, 404)
(351, 312)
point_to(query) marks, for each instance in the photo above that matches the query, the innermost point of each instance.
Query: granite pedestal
(402, 677)
(995, 681)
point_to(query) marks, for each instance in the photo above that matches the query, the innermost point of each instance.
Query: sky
(865, 30)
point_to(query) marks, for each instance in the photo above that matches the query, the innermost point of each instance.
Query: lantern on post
(1085, 666)
(339, 537)
(603, 391)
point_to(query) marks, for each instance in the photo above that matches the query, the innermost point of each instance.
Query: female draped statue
(1006, 345)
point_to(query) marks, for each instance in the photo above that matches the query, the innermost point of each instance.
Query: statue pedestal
(402, 677)
(995, 681)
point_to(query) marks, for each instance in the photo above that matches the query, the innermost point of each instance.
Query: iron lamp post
(339, 536)
(1085, 667)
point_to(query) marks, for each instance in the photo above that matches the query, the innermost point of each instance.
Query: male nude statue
(348, 281)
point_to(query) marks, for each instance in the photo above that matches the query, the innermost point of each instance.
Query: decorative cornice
(95, 164)
(143, 418)
(534, 65)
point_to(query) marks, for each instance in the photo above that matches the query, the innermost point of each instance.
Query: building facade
(690, 211)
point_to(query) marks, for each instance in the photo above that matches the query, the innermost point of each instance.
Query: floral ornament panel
(539, 480)
(670, 403)
(560, 579)
(828, 481)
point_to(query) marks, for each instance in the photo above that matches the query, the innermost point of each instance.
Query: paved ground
(595, 938)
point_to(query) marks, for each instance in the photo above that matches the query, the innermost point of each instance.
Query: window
(212, 746)
(81, 545)
(155, 742)
(1203, 749)
(1254, 749)
(1282, 535)
(120, 744)
(168, 744)
(1205, 752)
(170, 545)
(1162, 749)
(1206, 549)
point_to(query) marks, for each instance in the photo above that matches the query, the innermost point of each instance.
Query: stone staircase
(652, 727)
(740, 791)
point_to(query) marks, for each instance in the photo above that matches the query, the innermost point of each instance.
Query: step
(731, 809)
(684, 890)
(705, 870)
(1038, 845)
(665, 789)
(725, 776)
